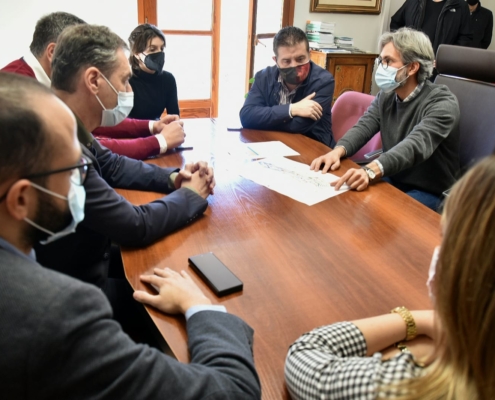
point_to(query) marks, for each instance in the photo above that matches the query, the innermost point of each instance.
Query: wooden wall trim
(288, 13)
(147, 12)
(215, 62)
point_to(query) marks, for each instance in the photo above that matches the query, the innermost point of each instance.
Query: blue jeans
(430, 200)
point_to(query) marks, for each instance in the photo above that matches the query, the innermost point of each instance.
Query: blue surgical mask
(385, 78)
(76, 199)
(124, 106)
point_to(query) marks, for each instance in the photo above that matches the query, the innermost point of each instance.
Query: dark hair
(48, 29)
(139, 39)
(288, 37)
(84, 46)
(25, 144)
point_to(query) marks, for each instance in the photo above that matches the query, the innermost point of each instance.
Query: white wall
(18, 19)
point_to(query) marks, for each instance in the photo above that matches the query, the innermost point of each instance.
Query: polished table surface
(355, 255)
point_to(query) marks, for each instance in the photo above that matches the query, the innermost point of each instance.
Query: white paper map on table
(292, 179)
(262, 150)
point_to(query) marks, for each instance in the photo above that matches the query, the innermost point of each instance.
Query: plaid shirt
(330, 363)
(285, 94)
(412, 95)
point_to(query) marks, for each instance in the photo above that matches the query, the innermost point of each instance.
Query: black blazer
(110, 218)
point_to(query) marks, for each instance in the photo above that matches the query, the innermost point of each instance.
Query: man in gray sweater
(418, 121)
(57, 336)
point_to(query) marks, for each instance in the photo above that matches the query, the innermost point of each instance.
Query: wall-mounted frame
(347, 6)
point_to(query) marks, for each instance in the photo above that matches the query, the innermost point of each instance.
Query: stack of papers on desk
(292, 179)
(344, 41)
(320, 26)
(320, 34)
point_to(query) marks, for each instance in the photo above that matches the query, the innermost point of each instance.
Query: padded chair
(346, 111)
(470, 75)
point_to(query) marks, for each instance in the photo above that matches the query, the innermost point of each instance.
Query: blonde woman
(447, 353)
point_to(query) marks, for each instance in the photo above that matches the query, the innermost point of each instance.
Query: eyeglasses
(385, 64)
(79, 172)
(78, 176)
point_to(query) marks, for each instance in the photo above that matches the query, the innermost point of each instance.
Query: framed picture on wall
(347, 6)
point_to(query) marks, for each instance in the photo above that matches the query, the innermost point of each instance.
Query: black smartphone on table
(215, 274)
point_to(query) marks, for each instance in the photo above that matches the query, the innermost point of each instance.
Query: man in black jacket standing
(481, 24)
(443, 21)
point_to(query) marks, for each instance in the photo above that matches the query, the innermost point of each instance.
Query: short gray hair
(413, 46)
(48, 29)
(84, 46)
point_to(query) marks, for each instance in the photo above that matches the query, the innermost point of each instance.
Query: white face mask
(76, 199)
(125, 102)
(385, 78)
(432, 272)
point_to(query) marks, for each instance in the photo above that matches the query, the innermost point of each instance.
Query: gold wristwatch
(406, 315)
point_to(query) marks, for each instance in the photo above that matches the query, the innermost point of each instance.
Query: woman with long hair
(447, 353)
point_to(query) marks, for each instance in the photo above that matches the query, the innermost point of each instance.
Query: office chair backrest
(346, 111)
(469, 73)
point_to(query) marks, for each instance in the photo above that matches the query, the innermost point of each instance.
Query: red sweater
(143, 145)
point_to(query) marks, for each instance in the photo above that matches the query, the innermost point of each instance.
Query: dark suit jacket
(58, 341)
(110, 218)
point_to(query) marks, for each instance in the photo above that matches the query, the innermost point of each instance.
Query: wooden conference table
(355, 255)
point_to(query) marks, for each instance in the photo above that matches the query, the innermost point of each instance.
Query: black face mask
(155, 61)
(472, 2)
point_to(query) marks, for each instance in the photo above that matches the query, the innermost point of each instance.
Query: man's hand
(307, 108)
(161, 123)
(176, 291)
(202, 184)
(174, 134)
(186, 174)
(330, 161)
(356, 178)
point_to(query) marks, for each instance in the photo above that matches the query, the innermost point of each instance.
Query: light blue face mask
(124, 106)
(76, 199)
(385, 78)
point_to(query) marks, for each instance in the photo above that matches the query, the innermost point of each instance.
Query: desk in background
(352, 71)
(355, 255)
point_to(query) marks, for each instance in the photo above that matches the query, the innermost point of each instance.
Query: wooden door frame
(287, 20)
(147, 13)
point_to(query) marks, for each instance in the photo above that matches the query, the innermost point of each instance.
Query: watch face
(370, 173)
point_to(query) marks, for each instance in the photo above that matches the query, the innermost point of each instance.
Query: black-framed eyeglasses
(79, 171)
(78, 176)
(379, 60)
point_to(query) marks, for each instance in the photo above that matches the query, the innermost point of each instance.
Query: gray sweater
(420, 137)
